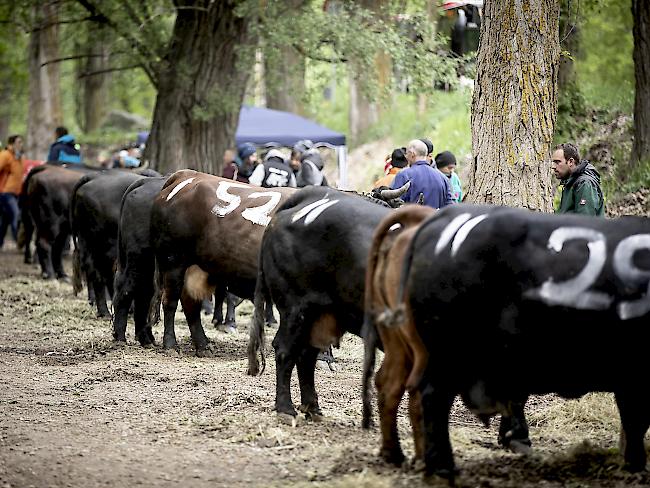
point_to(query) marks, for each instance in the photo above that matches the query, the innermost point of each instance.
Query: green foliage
(605, 68)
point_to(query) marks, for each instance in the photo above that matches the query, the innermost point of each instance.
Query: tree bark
(570, 39)
(44, 113)
(95, 86)
(284, 74)
(5, 108)
(641, 33)
(198, 101)
(515, 104)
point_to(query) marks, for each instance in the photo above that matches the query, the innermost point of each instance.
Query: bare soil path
(78, 411)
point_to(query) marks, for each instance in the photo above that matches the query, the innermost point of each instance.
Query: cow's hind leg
(121, 304)
(143, 295)
(284, 344)
(192, 310)
(219, 297)
(308, 396)
(417, 425)
(57, 255)
(172, 286)
(231, 303)
(513, 430)
(635, 419)
(43, 250)
(390, 388)
(438, 456)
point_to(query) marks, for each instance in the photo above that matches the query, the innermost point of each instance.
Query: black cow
(312, 265)
(94, 216)
(564, 298)
(134, 279)
(45, 206)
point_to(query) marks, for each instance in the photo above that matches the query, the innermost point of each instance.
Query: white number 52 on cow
(257, 214)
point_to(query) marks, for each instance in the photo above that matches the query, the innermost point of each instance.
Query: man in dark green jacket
(581, 192)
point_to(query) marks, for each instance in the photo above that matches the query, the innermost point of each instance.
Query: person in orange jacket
(397, 163)
(11, 168)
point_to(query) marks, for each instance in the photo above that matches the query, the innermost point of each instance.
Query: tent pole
(342, 156)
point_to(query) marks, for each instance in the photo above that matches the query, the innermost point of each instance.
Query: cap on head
(273, 153)
(303, 146)
(246, 149)
(398, 158)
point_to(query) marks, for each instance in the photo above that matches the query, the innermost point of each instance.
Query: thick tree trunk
(44, 113)
(515, 104)
(641, 31)
(95, 86)
(198, 101)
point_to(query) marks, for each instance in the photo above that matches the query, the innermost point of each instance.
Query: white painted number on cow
(260, 214)
(232, 201)
(625, 269)
(575, 292)
(458, 230)
(179, 187)
(313, 210)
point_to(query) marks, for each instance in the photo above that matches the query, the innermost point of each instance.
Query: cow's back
(315, 251)
(506, 284)
(215, 223)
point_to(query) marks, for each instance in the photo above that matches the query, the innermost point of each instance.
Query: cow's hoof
(440, 478)
(312, 413)
(226, 329)
(170, 351)
(47, 276)
(519, 447)
(392, 456)
(64, 279)
(287, 419)
(148, 345)
(418, 465)
(204, 353)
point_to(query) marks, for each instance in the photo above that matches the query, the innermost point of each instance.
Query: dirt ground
(78, 411)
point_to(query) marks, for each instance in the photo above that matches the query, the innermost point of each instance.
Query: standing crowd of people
(302, 168)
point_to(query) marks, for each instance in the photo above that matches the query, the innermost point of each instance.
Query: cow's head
(391, 197)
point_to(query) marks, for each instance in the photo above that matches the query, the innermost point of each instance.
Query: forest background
(594, 109)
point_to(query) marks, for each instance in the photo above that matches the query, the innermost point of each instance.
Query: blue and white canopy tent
(264, 126)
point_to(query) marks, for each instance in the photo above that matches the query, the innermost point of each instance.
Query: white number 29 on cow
(258, 214)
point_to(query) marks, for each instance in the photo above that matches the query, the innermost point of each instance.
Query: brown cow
(405, 356)
(206, 232)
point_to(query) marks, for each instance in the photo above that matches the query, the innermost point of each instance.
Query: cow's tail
(154, 306)
(25, 237)
(398, 220)
(77, 275)
(256, 328)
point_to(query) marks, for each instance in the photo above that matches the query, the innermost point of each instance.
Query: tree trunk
(570, 39)
(95, 86)
(641, 31)
(284, 73)
(362, 113)
(44, 113)
(515, 104)
(198, 102)
(5, 108)
(284, 79)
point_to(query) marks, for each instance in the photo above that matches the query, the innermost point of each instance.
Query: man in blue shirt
(425, 180)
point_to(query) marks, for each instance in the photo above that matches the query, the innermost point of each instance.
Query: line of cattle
(490, 303)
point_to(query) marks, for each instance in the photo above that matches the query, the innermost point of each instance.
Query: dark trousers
(8, 215)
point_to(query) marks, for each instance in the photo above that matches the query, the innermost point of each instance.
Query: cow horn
(396, 193)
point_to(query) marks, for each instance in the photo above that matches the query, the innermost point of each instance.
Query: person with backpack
(274, 172)
(64, 149)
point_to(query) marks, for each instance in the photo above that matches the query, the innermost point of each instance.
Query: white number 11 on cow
(259, 214)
